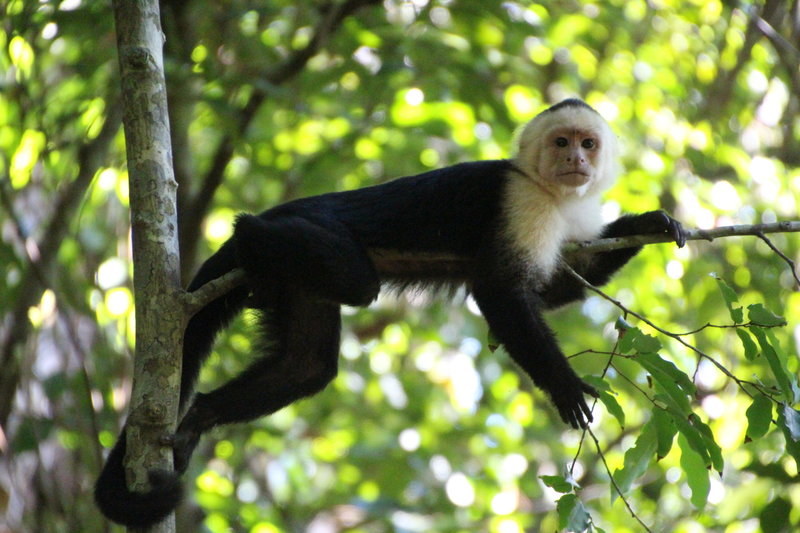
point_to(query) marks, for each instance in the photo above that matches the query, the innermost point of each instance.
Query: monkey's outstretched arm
(514, 317)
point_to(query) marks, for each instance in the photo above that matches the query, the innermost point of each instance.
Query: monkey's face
(568, 151)
(569, 156)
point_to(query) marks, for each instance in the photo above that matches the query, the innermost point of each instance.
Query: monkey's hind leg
(314, 251)
(299, 353)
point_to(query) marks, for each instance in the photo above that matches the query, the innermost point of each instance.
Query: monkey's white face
(568, 151)
(569, 156)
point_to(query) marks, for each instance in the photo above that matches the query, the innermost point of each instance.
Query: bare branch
(603, 245)
(678, 338)
(196, 300)
(395, 262)
(782, 256)
(614, 484)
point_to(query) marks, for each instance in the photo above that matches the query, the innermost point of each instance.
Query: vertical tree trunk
(159, 321)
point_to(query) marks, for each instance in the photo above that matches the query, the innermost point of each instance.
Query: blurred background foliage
(424, 429)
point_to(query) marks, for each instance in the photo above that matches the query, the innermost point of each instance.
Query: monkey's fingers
(676, 231)
(572, 407)
(585, 414)
(660, 222)
(588, 389)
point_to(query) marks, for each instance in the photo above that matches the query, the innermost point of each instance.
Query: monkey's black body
(305, 258)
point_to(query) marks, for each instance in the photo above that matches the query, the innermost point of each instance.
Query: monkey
(506, 219)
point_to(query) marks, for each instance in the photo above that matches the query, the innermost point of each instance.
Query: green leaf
(627, 337)
(670, 379)
(772, 356)
(713, 449)
(635, 341)
(558, 483)
(613, 407)
(607, 398)
(793, 377)
(759, 416)
(693, 437)
(636, 460)
(646, 344)
(665, 432)
(774, 517)
(668, 367)
(572, 515)
(758, 314)
(750, 348)
(730, 297)
(696, 473)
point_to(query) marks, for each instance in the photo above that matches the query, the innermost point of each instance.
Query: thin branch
(663, 331)
(604, 245)
(196, 300)
(783, 256)
(614, 481)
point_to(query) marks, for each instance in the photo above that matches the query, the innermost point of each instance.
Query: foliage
(697, 426)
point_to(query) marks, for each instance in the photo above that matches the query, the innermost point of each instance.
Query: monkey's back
(451, 209)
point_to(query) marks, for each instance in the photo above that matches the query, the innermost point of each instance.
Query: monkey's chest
(537, 233)
(536, 237)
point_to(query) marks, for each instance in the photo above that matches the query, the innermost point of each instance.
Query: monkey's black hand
(571, 404)
(660, 222)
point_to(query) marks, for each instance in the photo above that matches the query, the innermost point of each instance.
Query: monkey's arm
(514, 317)
(598, 268)
(604, 264)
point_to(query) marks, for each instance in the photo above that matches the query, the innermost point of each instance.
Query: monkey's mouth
(574, 172)
(575, 178)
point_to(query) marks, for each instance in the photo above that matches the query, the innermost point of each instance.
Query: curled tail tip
(139, 509)
(135, 509)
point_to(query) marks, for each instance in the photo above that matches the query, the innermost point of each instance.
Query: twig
(675, 336)
(196, 300)
(783, 256)
(614, 481)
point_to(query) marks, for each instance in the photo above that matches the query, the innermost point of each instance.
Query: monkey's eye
(588, 143)
(561, 142)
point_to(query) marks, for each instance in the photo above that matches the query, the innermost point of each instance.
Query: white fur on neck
(539, 222)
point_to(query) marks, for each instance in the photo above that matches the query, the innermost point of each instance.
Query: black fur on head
(569, 102)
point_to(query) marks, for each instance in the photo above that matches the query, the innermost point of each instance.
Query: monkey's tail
(135, 509)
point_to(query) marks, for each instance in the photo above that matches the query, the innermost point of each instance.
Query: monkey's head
(569, 149)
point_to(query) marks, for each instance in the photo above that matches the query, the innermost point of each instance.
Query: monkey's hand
(571, 404)
(660, 222)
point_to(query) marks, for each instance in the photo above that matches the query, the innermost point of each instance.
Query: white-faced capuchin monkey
(506, 219)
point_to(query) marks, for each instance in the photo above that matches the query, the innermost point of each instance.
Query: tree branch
(154, 238)
(604, 245)
(395, 262)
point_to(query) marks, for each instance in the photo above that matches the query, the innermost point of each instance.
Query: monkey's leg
(318, 255)
(299, 358)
